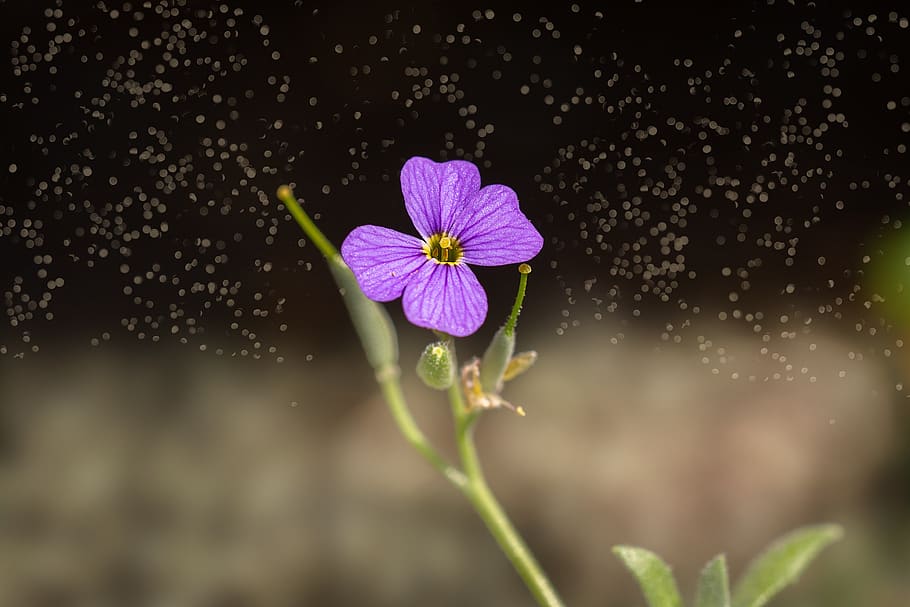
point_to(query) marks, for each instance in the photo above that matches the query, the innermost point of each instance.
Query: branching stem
(470, 481)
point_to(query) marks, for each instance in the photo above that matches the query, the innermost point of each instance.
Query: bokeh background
(186, 417)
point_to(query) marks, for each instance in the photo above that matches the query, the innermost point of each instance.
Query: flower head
(460, 224)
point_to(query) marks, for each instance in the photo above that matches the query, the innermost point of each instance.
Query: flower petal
(447, 298)
(493, 230)
(383, 260)
(434, 190)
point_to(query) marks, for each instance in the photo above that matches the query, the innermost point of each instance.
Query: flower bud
(436, 366)
(496, 359)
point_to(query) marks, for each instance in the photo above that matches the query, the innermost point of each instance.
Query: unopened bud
(436, 366)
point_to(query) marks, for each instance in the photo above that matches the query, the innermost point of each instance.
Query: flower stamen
(443, 248)
(476, 397)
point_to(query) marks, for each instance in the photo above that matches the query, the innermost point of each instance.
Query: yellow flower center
(443, 248)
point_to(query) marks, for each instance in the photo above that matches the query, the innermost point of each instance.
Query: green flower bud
(371, 321)
(436, 366)
(496, 359)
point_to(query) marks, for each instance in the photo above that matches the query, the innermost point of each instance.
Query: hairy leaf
(782, 563)
(654, 576)
(713, 584)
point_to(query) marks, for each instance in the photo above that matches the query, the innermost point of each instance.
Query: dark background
(200, 128)
(722, 189)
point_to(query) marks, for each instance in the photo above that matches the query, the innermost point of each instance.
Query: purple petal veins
(493, 231)
(433, 191)
(382, 260)
(447, 205)
(447, 298)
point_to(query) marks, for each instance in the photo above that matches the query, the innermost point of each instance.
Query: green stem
(391, 390)
(492, 513)
(471, 482)
(386, 370)
(524, 269)
(286, 195)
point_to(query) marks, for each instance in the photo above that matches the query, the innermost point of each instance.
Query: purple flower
(459, 224)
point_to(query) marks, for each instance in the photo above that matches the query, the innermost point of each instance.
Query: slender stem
(471, 482)
(524, 269)
(492, 513)
(387, 375)
(391, 390)
(322, 243)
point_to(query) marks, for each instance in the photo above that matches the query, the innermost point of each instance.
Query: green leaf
(653, 575)
(782, 563)
(713, 584)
